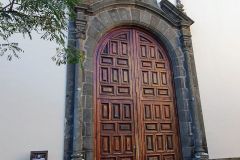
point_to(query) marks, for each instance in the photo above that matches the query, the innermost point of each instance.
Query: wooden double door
(135, 112)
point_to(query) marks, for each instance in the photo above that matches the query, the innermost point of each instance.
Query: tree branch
(5, 7)
(11, 4)
(11, 7)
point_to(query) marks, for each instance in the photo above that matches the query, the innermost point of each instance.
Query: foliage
(70, 55)
(49, 18)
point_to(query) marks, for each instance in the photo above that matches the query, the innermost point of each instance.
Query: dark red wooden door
(135, 109)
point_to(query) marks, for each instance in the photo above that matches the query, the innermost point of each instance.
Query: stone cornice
(167, 10)
(177, 15)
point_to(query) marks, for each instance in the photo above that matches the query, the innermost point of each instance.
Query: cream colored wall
(216, 43)
(32, 101)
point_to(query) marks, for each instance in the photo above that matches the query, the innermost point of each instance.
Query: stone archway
(170, 27)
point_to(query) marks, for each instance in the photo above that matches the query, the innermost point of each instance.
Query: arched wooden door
(135, 110)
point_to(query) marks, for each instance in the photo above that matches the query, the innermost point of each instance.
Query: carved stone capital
(81, 21)
(187, 44)
(186, 31)
(186, 39)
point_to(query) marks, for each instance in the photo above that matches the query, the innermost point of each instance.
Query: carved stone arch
(168, 26)
(161, 29)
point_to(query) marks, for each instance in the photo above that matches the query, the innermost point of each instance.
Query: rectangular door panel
(157, 121)
(117, 131)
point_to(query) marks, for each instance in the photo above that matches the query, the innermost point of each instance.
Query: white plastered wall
(216, 44)
(32, 102)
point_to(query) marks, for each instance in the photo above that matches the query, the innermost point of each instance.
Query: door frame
(170, 26)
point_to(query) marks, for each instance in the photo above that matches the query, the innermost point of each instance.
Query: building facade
(32, 89)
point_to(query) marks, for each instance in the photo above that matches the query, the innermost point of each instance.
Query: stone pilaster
(79, 152)
(200, 146)
(70, 86)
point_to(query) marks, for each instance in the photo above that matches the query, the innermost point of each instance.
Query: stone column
(70, 86)
(80, 34)
(200, 149)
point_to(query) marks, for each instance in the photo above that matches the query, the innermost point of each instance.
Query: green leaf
(47, 17)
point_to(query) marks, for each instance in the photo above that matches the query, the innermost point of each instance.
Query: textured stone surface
(135, 14)
(151, 2)
(88, 143)
(124, 13)
(88, 115)
(187, 152)
(114, 15)
(163, 26)
(185, 116)
(88, 64)
(89, 129)
(92, 31)
(154, 20)
(180, 82)
(97, 24)
(179, 71)
(105, 18)
(145, 17)
(68, 137)
(89, 76)
(90, 47)
(88, 89)
(89, 102)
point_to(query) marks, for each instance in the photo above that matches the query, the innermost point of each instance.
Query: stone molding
(167, 10)
(81, 21)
